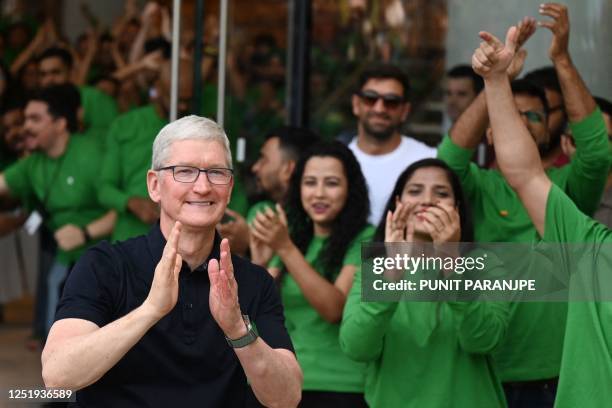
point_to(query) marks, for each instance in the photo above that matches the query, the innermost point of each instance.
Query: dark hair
(350, 221)
(524, 87)
(467, 228)
(158, 43)
(62, 101)
(545, 77)
(604, 105)
(466, 71)
(385, 71)
(293, 141)
(56, 52)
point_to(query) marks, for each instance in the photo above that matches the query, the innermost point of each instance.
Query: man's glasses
(532, 116)
(391, 101)
(189, 174)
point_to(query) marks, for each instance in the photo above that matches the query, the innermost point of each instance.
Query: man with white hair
(169, 317)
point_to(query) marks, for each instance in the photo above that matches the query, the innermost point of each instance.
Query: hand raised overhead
(492, 58)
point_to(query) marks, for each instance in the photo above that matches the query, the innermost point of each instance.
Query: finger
(511, 38)
(441, 213)
(213, 273)
(433, 220)
(226, 257)
(491, 39)
(258, 236)
(170, 251)
(281, 214)
(388, 221)
(178, 264)
(547, 24)
(269, 213)
(483, 58)
(263, 219)
(232, 213)
(486, 49)
(260, 227)
(405, 212)
(410, 230)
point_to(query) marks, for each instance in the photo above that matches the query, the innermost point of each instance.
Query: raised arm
(326, 298)
(78, 352)
(515, 149)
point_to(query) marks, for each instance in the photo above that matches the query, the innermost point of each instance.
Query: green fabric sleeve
(18, 180)
(481, 326)
(364, 325)
(459, 160)
(589, 167)
(109, 194)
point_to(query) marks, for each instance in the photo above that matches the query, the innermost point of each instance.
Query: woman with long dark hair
(426, 354)
(317, 243)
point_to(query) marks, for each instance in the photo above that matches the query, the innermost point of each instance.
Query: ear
(62, 124)
(489, 134)
(153, 185)
(355, 105)
(406, 111)
(287, 170)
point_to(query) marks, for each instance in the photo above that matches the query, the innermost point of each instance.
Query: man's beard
(380, 134)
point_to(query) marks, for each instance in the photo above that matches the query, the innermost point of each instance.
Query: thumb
(512, 38)
(281, 214)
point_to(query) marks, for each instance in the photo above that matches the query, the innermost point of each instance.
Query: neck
(195, 245)
(59, 145)
(370, 145)
(278, 194)
(320, 230)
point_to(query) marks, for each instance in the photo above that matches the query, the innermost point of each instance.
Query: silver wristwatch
(247, 339)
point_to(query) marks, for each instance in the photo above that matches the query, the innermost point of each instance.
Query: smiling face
(458, 94)
(428, 186)
(198, 205)
(40, 129)
(324, 189)
(378, 119)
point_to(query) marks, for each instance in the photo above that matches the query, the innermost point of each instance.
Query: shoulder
(414, 146)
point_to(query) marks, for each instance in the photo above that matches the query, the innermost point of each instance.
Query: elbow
(55, 377)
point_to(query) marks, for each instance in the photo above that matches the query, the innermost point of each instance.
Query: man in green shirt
(529, 359)
(127, 159)
(54, 68)
(61, 178)
(586, 369)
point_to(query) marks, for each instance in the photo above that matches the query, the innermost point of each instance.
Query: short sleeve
(91, 288)
(18, 179)
(353, 253)
(565, 223)
(270, 318)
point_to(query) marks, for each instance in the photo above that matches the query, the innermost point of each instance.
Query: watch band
(247, 339)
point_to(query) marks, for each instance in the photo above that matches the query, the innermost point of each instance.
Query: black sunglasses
(391, 101)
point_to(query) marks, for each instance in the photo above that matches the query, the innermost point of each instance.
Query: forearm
(472, 124)
(82, 360)
(326, 298)
(128, 70)
(510, 135)
(480, 325)
(578, 101)
(274, 374)
(103, 226)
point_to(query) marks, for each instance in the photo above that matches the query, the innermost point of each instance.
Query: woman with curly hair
(318, 247)
(426, 354)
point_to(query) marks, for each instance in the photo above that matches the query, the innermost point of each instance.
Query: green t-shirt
(99, 109)
(126, 162)
(315, 340)
(532, 350)
(425, 354)
(258, 207)
(586, 369)
(69, 184)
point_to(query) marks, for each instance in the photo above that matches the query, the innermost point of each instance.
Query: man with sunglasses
(171, 318)
(381, 106)
(529, 358)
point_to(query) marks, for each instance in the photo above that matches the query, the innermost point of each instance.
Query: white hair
(190, 127)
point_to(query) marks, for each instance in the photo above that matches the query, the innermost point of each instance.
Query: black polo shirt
(184, 359)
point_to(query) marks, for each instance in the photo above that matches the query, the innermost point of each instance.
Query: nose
(202, 185)
(379, 105)
(428, 198)
(319, 190)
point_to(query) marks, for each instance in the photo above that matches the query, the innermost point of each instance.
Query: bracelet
(86, 235)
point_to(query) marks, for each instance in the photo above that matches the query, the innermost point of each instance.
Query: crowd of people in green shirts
(76, 167)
